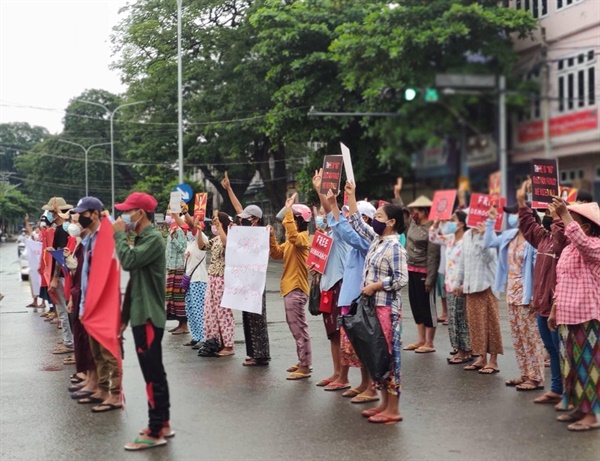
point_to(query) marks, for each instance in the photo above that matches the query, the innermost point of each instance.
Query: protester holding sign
(175, 256)
(294, 280)
(516, 258)
(450, 235)
(384, 275)
(549, 240)
(423, 264)
(255, 325)
(577, 312)
(331, 283)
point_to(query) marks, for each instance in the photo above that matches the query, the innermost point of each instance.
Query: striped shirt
(385, 262)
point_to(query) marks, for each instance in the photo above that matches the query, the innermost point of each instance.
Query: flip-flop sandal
(484, 371)
(370, 412)
(570, 417)
(337, 387)
(424, 350)
(104, 407)
(74, 388)
(69, 361)
(181, 332)
(63, 350)
(143, 444)
(365, 399)
(514, 382)
(383, 419)
(454, 352)
(292, 369)
(225, 354)
(529, 386)
(472, 367)
(75, 379)
(89, 400)
(351, 393)
(166, 435)
(295, 376)
(459, 360)
(548, 399)
(81, 395)
(324, 382)
(583, 427)
(411, 347)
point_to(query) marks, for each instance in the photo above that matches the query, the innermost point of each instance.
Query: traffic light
(431, 95)
(411, 93)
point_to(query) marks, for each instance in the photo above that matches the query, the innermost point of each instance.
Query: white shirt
(197, 260)
(477, 266)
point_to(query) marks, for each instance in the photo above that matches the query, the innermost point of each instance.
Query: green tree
(18, 138)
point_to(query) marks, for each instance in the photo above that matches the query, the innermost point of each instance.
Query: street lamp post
(112, 144)
(179, 94)
(86, 150)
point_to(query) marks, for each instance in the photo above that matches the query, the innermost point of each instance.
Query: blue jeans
(550, 339)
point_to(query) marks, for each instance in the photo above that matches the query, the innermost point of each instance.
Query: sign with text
(347, 163)
(246, 262)
(34, 254)
(443, 205)
(559, 126)
(200, 205)
(332, 173)
(478, 210)
(175, 202)
(544, 180)
(319, 252)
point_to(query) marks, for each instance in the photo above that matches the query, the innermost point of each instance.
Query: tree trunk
(276, 184)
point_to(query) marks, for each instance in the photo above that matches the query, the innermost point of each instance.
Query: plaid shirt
(385, 262)
(577, 278)
(477, 265)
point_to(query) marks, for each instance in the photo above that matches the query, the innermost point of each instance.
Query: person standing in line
(423, 264)
(577, 313)
(256, 333)
(476, 274)
(143, 307)
(331, 284)
(175, 297)
(294, 280)
(549, 240)
(450, 237)
(516, 259)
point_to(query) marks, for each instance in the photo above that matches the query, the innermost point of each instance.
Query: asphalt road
(223, 411)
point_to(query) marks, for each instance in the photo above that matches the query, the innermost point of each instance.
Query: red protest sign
(319, 252)
(332, 173)
(544, 179)
(200, 206)
(478, 210)
(443, 205)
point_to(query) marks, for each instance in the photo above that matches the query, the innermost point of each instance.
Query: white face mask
(74, 230)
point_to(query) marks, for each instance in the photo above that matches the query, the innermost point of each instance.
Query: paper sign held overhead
(478, 210)
(347, 163)
(443, 205)
(544, 180)
(319, 252)
(332, 173)
(175, 202)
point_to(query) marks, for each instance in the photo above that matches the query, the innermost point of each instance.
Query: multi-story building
(572, 40)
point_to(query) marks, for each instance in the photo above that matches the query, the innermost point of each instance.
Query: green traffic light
(431, 95)
(410, 94)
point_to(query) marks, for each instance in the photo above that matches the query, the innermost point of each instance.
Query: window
(532, 109)
(537, 8)
(577, 81)
(568, 176)
(564, 3)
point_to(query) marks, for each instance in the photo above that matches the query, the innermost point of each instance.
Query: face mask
(65, 226)
(378, 226)
(245, 222)
(320, 222)
(74, 230)
(450, 228)
(131, 225)
(49, 217)
(43, 224)
(168, 219)
(513, 221)
(214, 230)
(547, 222)
(85, 221)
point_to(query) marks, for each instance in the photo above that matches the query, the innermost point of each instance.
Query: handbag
(184, 285)
(314, 297)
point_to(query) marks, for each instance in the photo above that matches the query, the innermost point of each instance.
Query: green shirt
(145, 295)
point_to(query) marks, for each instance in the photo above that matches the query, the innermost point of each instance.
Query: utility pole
(545, 95)
(179, 94)
(502, 136)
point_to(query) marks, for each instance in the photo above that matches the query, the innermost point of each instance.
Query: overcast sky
(50, 52)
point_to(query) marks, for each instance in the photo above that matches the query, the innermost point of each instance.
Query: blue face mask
(450, 227)
(320, 222)
(49, 217)
(513, 221)
(65, 226)
(131, 225)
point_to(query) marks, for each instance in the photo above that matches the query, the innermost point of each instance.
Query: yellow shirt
(294, 252)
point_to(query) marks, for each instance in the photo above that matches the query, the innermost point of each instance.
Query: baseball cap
(138, 200)
(88, 203)
(251, 211)
(366, 209)
(302, 210)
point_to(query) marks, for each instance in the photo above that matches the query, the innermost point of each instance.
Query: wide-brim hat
(421, 202)
(590, 211)
(57, 202)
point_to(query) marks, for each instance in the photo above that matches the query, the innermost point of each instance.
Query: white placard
(175, 202)
(34, 254)
(246, 262)
(347, 163)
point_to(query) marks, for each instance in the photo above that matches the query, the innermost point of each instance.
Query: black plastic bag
(314, 297)
(366, 336)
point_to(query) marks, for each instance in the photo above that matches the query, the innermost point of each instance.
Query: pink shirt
(578, 278)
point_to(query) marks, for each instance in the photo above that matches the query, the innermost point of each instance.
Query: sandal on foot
(365, 399)
(459, 360)
(167, 432)
(412, 347)
(324, 382)
(570, 417)
(144, 444)
(104, 407)
(473, 367)
(583, 427)
(81, 395)
(371, 412)
(88, 400)
(384, 419)
(63, 350)
(69, 361)
(424, 350)
(351, 393)
(514, 382)
(488, 371)
(295, 376)
(547, 398)
(225, 354)
(337, 387)
(529, 386)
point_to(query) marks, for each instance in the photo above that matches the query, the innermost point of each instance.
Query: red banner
(443, 205)
(200, 206)
(319, 252)
(559, 126)
(478, 210)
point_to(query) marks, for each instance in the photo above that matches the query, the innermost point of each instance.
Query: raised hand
(225, 182)
(522, 192)
(350, 188)
(331, 197)
(398, 188)
(560, 206)
(290, 201)
(317, 180)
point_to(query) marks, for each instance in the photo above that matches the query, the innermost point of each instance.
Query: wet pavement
(223, 411)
